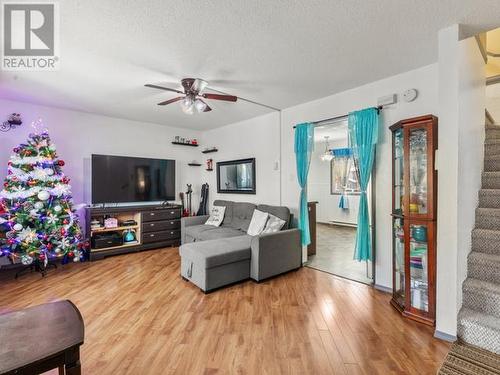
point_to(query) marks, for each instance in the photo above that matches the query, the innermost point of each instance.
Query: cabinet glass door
(399, 172)
(419, 252)
(399, 261)
(418, 171)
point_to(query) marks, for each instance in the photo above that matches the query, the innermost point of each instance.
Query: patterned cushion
(282, 212)
(274, 224)
(258, 223)
(216, 216)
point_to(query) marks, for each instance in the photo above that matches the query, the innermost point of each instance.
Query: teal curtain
(304, 145)
(363, 137)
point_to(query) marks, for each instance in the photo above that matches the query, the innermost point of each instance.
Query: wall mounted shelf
(209, 151)
(184, 144)
(209, 170)
(194, 165)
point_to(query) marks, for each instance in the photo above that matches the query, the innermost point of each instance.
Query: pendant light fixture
(327, 155)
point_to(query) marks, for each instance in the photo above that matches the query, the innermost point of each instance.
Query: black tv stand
(157, 226)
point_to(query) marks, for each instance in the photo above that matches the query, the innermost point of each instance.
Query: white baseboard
(383, 288)
(444, 336)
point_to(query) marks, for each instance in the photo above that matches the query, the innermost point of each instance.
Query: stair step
(486, 241)
(493, 132)
(481, 296)
(491, 147)
(480, 329)
(488, 218)
(483, 266)
(489, 198)
(492, 163)
(491, 180)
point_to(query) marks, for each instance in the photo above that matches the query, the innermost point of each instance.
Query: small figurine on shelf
(129, 236)
(95, 224)
(209, 164)
(111, 222)
(194, 141)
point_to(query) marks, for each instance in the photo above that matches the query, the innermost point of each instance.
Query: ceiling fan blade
(171, 100)
(163, 88)
(227, 98)
(199, 85)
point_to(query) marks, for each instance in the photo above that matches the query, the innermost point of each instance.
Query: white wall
(77, 135)
(425, 81)
(257, 138)
(447, 165)
(460, 162)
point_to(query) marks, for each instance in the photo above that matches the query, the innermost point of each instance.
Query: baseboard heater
(343, 224)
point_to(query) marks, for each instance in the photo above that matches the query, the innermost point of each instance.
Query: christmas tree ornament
(38, 205)
(26, 260)
(18, 227)
(57, 208)
(49, 171)
(43, 195)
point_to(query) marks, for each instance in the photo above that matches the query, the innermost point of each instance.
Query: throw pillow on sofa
(258, 223)
(274, 224)
(216, 216)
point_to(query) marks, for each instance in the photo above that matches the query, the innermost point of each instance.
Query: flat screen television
(123, 179)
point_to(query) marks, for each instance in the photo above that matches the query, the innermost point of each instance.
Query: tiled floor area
(335, 248)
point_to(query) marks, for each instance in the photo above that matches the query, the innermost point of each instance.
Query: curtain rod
(338, 118)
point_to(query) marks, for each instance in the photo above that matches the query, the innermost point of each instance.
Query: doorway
(333, 194)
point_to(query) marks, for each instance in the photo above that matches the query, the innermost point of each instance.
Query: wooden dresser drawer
(161, 236)
(155, 226)
(157, 215)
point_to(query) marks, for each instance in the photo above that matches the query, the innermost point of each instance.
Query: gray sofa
(212, 257)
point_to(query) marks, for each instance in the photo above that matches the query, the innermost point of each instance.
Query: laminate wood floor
(334, 253)
(142, 318)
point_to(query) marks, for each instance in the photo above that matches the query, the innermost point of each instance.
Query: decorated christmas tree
(36, 208)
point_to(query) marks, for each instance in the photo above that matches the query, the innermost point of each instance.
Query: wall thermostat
(410, 95)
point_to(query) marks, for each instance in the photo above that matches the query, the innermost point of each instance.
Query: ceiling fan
(193, 95)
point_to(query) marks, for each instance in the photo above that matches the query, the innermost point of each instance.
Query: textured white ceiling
(279, 52)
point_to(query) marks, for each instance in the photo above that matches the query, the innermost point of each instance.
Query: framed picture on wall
(236, 176)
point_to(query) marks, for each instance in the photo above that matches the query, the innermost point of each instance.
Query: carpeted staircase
(479, 318)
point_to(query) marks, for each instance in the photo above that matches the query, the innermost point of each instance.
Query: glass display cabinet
(414, 188)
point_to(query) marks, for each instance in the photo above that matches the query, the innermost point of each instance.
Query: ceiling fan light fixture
(200, 105)
(187, 105)
(191, 101)
(199, 85)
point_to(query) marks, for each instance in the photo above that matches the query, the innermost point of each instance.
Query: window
(344, 177)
